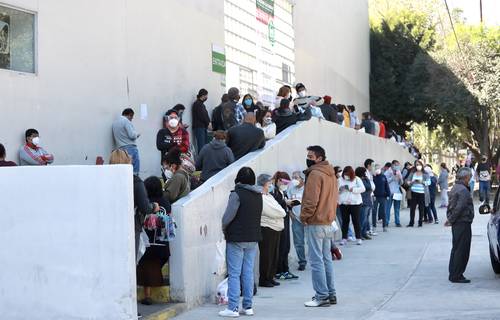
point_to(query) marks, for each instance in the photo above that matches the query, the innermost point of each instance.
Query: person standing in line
(281, 181)
(242, 231)
(283, 93)
(382, 193)
(174, 135)
(265, 122)
(472, 182)
(217, 121)
(248, 103)
(271, 225)
(350, 190)
(443, 185)
(295, 193)
(284, 117)
(370, 170)
(367, 205)
(3, 162)
(125, 137)
(483, 174)
(317, 214)
(417, 181)
(31, 154)
(201, 120)
(245, 138)
(460, 215)
(430, 209)
(395, 180)
(303, 101)
(382, 132)
(329, 113)
(232, 111)
(367, 123)
(214, 156)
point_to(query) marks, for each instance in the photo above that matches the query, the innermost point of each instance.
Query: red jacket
(382, 130)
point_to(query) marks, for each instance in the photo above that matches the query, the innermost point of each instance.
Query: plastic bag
(335, 226)
(143, 245)
(220, 258)
(222, 297)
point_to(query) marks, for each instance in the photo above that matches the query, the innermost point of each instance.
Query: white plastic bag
(143, 244)
(222, 298)
(220, 258)
(397, 196)
(335, 226)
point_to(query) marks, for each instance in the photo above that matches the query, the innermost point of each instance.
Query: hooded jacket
(213, 157)
(319, 201)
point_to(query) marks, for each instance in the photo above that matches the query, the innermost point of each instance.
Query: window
(17, 40)
(287, 73)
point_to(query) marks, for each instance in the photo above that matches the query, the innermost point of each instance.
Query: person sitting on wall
(177, 179)
(265, 122)
(302, 102)
(327, 110)
(174, 135)
(284, 117)
(245, 138)
(214, 156)
(149, 268)
(3, 162)
(31, 154)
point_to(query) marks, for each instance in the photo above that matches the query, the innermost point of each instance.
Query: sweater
(272, 213)
(382, 189)
(285, 118)
(124, 133)
(319, 201)
(165, 140)
(269, 130)
(242, 218)
(329, 113)
(245, 138)
(460, 205)
(200, 115)
(178, 186)
(30, 155)
(212, 158)
(353, 197)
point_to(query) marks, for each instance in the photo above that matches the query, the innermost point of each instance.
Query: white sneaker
(317, 303)
(351, 239)
(373, 233)
(343, 242)
(247, 312)
(229, 314)
(359, 242)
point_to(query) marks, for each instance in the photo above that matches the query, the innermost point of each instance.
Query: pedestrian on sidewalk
(430, 209)
(382, 193)
(367, 205)
(350, 190)
(395, 180)
(418, 181)
(242, 231)
(443, 185)
(271, 224)
(201, 120)
(295, 193)
(125, 137)
(317, 214)
(483, 173)
(460, 215)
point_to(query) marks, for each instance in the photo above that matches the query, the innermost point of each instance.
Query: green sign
(218, 60)
(267, 6)
(271, 32)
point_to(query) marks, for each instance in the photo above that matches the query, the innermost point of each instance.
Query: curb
(168, 313)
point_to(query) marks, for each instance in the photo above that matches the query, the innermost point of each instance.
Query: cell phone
(295, 203)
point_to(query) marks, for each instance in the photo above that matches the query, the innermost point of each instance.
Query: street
(402, 274)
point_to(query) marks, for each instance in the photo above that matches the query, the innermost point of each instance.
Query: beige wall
(332, 49)
(87, 50)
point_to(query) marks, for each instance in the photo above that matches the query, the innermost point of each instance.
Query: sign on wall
(218, 59)
(265, 10)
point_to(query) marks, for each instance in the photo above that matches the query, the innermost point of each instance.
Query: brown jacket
(319, 202)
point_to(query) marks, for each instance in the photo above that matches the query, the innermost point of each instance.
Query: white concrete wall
(199, 214)
(67, 243)
(332, 49)
(87, 52)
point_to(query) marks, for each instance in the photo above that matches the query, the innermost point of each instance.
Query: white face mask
(346, 178)
(36, 141)
(268, 120)
(168, 174)
(295, 182)
(419, 168)
(283, 187)
(302, 93)
(173, 122)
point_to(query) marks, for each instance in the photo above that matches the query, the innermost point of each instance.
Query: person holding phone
(417, 181)
(350, 190)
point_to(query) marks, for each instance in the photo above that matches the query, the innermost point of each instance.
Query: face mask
(310, 162)
(168, 174)
(295, 182)
(346, 178)
(36, 141)
(268, 120)
(270, 189)
(396, 168)
(378, 171)
(419, 168)
(248, 102)
(283, 187)
(302, 93)
(173, 122)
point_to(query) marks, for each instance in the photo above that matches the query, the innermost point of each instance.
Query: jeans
(379, 206)
(133, 152)
(484, 191)
(397, 208)
(471, 186)
(431, 210)
(299, 241)
(365, 219)
(319, 238)
(201, 137)
(240, 258)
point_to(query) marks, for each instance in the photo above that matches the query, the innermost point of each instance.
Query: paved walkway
(402, 274)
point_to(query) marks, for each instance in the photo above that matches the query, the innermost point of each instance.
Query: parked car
(493, 230)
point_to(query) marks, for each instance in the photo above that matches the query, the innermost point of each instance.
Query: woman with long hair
(264, 121)
(418, 180)
(350, 190)
(443, 184)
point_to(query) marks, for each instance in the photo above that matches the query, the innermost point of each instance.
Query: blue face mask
(248, 102)
(270, 189)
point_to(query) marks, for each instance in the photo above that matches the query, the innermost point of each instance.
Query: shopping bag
(143, 245)
(222, 297)
(335, 226)
(220, 258)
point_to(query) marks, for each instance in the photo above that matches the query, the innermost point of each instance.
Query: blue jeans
(319, 239)
(240, 258)
(397, 208)
(379, 207)
(133, 152)
(365, 219)
(201, 137)
(484, 191)
(299, 241)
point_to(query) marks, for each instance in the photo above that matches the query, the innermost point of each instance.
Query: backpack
(228, 115)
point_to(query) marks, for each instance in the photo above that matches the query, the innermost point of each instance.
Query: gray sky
(491, 10)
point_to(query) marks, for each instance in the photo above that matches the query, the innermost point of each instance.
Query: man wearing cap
(303, 101)
(201, 120)
(232, 111)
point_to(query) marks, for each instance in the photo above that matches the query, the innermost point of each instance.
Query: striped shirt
(419, 184)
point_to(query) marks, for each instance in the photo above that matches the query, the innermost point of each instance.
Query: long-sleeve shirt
(460, 207)
(419, 182)
(348, 197)
(165, 139)
(34, 156)
(124, 132)
(200, 115)
(395, 180)
(269, 130)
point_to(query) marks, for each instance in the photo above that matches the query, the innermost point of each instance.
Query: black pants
(349, 211)
(284, 248)
(417, 199)
(460, 251)
(269, 251)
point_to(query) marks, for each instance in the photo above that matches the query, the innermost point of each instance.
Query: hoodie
(213, 157)
(319, 201)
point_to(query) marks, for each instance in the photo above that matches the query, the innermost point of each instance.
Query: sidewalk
(401, 274)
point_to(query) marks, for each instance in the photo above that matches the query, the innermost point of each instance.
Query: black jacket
(245, 226)
(382, 188)
(200, 115)
(285, 118)
(245, 138)
(328, 112)
(368, 125)
(217, 123)
(460, 206)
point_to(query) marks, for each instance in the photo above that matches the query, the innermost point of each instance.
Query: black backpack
(228, 115)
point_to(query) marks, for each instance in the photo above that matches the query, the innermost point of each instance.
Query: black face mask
(310, 163)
